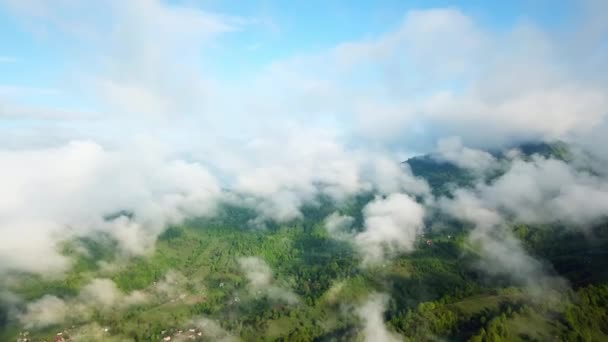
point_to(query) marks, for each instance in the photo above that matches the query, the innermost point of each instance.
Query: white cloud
(141, 77)
(467, 206)
(339, 226)
(451, 150)
(441, 40)
(137, 58)
(501, 253)
(278, 175)
(48, 310)
(372, 315)
(260, 279)
(441, 73)
(59, 193)
(539, 191)
(98, 294)
(257, 271)
(391, 225)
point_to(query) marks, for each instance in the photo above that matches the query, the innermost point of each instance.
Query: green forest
(194, 285)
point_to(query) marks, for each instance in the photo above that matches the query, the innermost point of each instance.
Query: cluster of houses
(180, 297)
(24, 336)
(191, 334)
(429, 242)
(61, 336)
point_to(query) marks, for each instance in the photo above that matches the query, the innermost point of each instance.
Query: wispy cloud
(371, 314)
(261, 280)
(97, 295)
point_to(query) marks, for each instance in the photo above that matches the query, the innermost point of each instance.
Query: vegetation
(437, 291)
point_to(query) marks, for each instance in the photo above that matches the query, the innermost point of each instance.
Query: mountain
(443, 176)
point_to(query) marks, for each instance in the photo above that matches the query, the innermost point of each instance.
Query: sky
(70, 69)
(275, 30)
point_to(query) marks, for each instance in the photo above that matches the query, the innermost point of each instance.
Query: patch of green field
(531, 327)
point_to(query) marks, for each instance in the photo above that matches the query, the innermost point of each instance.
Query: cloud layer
(60, 193)
(97, 295)
(535, 191)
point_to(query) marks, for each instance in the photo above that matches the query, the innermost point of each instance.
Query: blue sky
(280, 30)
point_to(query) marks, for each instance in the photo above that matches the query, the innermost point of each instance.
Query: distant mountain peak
(443, 175)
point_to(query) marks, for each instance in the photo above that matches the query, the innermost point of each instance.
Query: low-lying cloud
(538, 191)
(452, 151)
(261, 280)
(535, 191)
(65, 192)
(339, 226)
(97, 295)
(391, 225)
(278, 176)
(371, 313)
(48, 310)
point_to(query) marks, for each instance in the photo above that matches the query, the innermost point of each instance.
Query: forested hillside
(221, 278)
